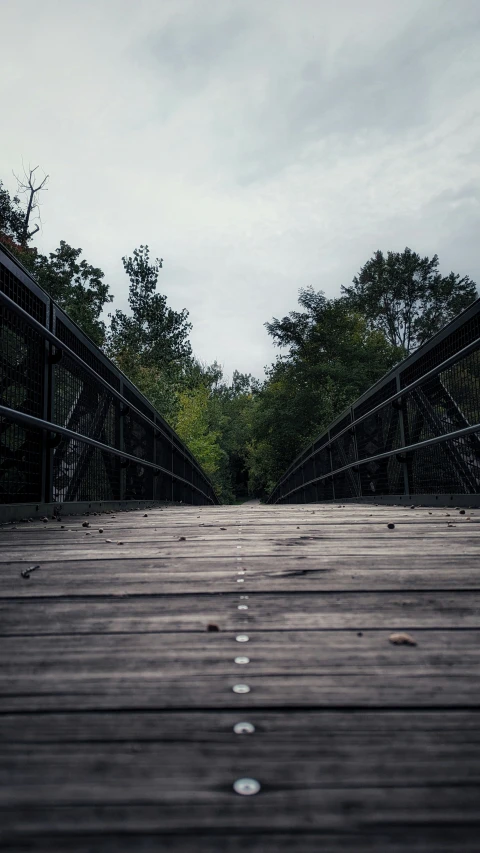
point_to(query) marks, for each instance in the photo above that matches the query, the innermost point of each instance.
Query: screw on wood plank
(244, 728)
(246, 787)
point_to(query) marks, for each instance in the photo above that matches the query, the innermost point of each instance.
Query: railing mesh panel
(440, 405)
(22, 295)
(40, 379)
(22, 383)
(451, 344)
(86, 407)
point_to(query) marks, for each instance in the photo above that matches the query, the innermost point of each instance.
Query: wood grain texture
(414, 838)
(275, 612)
(117, 663)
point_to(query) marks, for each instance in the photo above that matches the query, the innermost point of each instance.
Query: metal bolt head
(242, 659)
(242, 638)
(241, 688)
(246, 787)
(242, 607)
(244, 728)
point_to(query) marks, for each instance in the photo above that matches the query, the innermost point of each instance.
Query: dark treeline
(245, 432)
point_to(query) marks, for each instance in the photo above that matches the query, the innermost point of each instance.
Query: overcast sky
(258, 146)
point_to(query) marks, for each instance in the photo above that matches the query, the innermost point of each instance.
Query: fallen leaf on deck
(402, 640)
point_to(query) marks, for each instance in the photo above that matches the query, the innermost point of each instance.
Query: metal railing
(72, 427)
(414, 433)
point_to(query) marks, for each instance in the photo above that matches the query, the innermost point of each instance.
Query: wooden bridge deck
(118, 667)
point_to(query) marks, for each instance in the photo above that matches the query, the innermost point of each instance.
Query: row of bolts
(246, 787)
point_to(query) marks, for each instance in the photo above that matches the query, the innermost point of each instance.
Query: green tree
(161, 386)
(75, 285)
(193, 425)
(231, 408)
(157, 333)
(214, 419)
(405, 297)
(11, 217)
(333, 357)
(151, 343)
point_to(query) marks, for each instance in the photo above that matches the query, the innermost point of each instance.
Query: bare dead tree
(27, 185)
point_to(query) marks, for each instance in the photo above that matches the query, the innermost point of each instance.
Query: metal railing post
(121, 444)
(315, 478)
(154, 454)
(403, 434)
(331, 464)
(48, 409)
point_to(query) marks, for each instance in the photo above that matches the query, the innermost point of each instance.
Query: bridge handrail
(110, 408)
(326, 440)
(40, 423)
(59, 344)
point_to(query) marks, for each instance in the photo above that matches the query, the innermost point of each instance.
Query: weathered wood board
(118, 661)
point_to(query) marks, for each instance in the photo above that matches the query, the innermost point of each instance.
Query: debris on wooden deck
(260, 678)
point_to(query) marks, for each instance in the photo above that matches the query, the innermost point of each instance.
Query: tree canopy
(77, 286)
(405, 296)
(157, 333)
(332, 357)
(246, 432)
(11, 217)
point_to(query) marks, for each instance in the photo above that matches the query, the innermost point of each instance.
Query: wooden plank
(117, 703)
(106, 774)
(280, 805)
(414, 838)
(386, 572)
(451, 527)
(334, 647)
(215, 726)
(87, 550)
(279, 612)
(147, 688)
(159, 674)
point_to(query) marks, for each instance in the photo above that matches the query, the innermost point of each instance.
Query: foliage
(151, 344)
(194, 428)
(11, 217)
(214, 421)
(405, 297)
(246, 433)
(75, 285)
(157, 333)
(159, 385)
(231, 406)
(332, 358)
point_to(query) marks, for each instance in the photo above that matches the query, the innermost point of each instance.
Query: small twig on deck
(27, 572)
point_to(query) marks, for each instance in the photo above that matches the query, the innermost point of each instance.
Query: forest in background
(247, 431)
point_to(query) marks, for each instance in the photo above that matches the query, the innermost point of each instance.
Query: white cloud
(256, 147)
